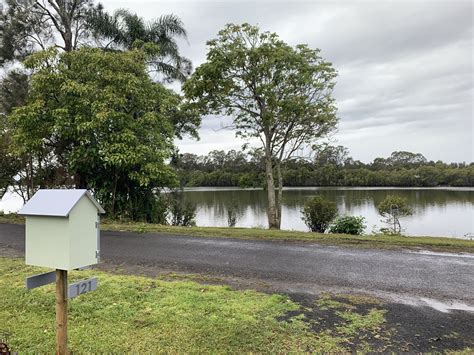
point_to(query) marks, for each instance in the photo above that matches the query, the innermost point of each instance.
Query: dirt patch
(426, 329)
(368, 324)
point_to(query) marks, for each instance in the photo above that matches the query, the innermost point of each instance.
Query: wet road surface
(293, 267)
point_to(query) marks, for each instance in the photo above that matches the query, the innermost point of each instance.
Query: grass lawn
(137, 314)
(366, 241)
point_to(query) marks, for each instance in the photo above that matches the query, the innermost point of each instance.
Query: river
(437, 211)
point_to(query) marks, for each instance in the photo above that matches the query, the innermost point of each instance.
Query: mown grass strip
(365, 241)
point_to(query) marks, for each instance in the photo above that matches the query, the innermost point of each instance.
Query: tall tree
(14, 170)
(406, 159)
(124, 30)
(13, 90)
(31, 25)
(105, 124)
(27, 26)
(9, 165)
(276, 93)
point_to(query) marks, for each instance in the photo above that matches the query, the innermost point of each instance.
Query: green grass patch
(355, 322)
(359, 299)
(327, 302)
(365, 241)
(138, 314)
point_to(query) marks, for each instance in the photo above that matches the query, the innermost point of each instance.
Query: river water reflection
(438, 211)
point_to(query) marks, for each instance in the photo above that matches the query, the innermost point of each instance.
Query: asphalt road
(288, 267)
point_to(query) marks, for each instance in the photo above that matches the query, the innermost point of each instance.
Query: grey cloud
(405, 67)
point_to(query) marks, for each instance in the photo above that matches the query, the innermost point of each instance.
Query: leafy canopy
(391, 209)
(100, 116)
(273, 91)
(393, 204)
(27, 26)
(276, 93)
(124, 30)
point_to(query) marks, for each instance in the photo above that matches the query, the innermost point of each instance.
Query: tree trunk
(114, 192)
(280, 192)
(80, 180)
(272, 207)
(31, 187)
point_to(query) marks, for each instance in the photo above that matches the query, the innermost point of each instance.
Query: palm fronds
(123, 30)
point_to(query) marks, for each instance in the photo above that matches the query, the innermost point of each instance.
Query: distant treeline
(330, 166)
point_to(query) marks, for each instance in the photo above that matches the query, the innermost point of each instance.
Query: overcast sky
(405, 67)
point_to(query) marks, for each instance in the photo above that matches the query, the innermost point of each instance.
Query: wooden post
(61, 312)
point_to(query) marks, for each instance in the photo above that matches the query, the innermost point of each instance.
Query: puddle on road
(446, 307)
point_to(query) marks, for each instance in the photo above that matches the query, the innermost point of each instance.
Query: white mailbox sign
(62, 229)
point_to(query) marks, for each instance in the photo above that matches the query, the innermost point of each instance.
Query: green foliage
(391, 203)
(108, 126)
(9, 164)
(124, 30)
(391, 209)
(258, 79)
(30, 26)
(318, 213)
(348, 225)
(277, 93)
(13, 93)
(27, 26)
(13, 90)
(328, 167)
(182, 213)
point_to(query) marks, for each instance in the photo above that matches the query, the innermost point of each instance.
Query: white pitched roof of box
(56, 202)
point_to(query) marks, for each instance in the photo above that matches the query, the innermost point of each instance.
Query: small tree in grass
(318, 213)
(391, 209)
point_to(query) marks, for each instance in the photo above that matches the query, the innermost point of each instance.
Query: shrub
(348, 225)
(318, 213)
(391, 209)
(182, 213)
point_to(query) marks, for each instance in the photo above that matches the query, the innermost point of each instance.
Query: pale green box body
(64, 243)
